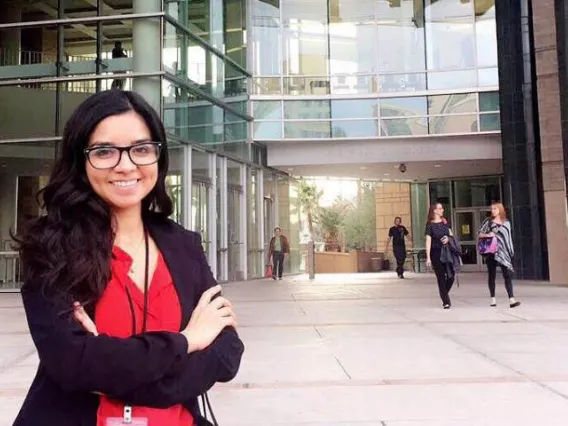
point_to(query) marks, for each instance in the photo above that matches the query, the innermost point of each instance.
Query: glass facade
(457, 113)
(392, 68)
(188, 59)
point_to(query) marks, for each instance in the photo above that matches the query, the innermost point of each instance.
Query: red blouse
(113, 317)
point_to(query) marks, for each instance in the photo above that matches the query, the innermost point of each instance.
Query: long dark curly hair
(67, 252)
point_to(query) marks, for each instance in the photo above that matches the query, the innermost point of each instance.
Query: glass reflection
(450, 34)
(403, 107)
(267, 130)
(354, 108)
(488, 77)
(486, 33)
(353, 84)
(452, 104)
(392, 83)
(307, 129)
(267, 86)
(401, 36)
(489, 122)
(266, 32)
(304, 30)
(174, 180)
(234, 31)
(306, 85)
(352, 37)
(415, 126)
(354, 128)
(453, 124)
(489, 101)
(306, 110)
(452, 80)
(267, 110)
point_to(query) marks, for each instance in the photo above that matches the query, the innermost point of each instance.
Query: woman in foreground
(121, 303)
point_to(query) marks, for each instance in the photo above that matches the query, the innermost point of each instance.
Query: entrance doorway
(467, 223)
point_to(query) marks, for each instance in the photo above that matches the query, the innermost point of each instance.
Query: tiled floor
(371, 350)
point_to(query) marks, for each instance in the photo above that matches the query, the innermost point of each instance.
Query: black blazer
(151, 369)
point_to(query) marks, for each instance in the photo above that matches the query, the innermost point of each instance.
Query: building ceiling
(415, 171)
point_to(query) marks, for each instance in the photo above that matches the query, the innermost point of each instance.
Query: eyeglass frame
(122, 149)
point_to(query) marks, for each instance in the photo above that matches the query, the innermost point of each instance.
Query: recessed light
(363, 167)
(387, 174)
(290, 168)
(437, 166)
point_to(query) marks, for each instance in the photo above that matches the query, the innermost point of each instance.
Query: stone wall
(551, 145)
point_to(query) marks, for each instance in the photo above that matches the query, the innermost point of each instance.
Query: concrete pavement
(370, 349)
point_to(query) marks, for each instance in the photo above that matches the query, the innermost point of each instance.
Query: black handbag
(202, 418)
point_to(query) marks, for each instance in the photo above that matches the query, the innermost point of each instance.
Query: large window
(401, 36)
(458, 113)
(305, 37)
(366, 46)
(266, 45)
(352, 37)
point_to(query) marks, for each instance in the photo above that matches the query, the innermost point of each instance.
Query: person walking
(117, 53)
(438, 234)
(127, 319)
(497, 226)
(277, 252)
(397, 234)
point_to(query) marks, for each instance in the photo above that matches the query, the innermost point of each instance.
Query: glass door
(200, 212)
(467, 223)
(234, 232)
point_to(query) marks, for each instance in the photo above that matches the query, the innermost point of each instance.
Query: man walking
(278, 250)
(397, 233)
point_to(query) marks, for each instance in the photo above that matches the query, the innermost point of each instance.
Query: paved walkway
(371, 350)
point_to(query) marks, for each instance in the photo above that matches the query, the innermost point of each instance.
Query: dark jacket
(283, 242)
(149, 369)
(451, 256)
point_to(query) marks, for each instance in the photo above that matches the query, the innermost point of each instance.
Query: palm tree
(309, 198)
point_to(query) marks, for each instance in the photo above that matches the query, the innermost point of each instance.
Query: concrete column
(146, 51)
(11, 39)
(551, 143)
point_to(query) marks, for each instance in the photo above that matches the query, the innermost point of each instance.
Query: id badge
(119, 421)
(127, 419)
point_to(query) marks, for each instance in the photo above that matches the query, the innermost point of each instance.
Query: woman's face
(439, 210)
(124, 186)
(494, 211)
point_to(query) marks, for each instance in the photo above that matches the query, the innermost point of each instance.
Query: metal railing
(9, 57)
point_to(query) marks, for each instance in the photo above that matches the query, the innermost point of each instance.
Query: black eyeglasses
(108, 157)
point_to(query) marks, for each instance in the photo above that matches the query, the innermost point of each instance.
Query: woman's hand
(209, 318)
(84, 319)
(428, 263)
(445, 240)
